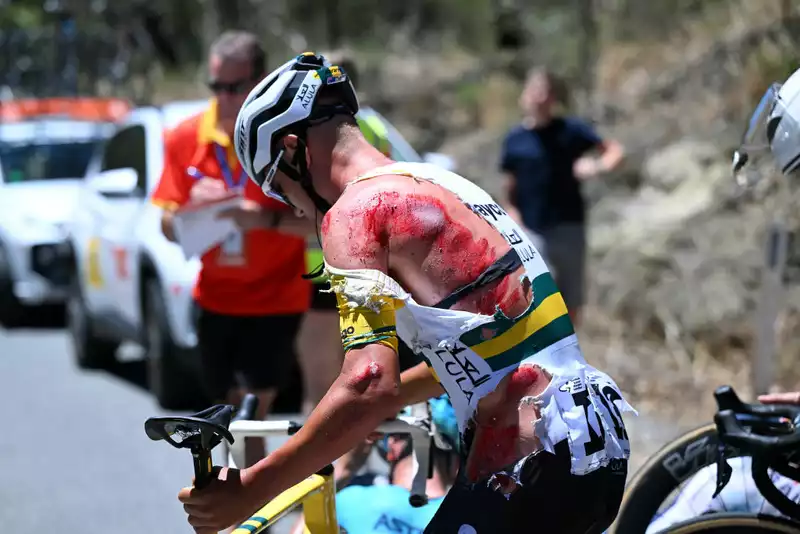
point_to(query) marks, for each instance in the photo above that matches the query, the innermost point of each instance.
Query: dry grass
(632, 67)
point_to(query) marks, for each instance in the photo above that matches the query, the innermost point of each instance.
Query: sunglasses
(233, 88)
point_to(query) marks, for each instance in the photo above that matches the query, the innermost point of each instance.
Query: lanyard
(227, 173)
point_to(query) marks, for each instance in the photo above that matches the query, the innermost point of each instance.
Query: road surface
(73, 453)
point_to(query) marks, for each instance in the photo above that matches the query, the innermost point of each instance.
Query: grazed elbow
(372, 382)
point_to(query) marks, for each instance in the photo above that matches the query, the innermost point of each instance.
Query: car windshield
(24, 162)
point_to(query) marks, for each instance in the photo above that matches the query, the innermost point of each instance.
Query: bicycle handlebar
(416, 425)
(204, 430)
(768, 433)
(757, 428)
(247, 409)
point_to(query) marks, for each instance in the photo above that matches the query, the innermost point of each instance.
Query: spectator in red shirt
(250, 291)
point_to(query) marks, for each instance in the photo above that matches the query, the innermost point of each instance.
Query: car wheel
(11, 310)
(169, 380)
(90, 350)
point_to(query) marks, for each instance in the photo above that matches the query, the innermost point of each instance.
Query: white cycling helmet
(774, 127)
(286, 102)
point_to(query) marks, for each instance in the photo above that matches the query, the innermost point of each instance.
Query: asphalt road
(73, 453)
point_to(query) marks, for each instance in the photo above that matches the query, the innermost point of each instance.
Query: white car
(42, 164)
(131, 283)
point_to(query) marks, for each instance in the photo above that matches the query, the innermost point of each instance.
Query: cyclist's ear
(290, 143)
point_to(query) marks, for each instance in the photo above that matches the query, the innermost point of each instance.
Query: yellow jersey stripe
(548, 311)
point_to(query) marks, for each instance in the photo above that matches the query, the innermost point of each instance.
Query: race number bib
(592, 406)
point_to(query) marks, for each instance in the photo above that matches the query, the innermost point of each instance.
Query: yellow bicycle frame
(317, 495)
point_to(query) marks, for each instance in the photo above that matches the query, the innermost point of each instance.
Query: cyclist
(773, 130)
(544, 447)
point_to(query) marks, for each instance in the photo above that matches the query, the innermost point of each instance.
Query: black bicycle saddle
(204, 429)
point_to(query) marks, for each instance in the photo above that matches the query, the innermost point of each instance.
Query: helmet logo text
(306, 94)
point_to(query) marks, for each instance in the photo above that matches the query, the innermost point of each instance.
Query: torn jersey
(469, 353)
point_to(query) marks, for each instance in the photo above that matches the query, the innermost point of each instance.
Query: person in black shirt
(545, 158)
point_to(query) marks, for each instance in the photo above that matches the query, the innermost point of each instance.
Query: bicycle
(769, 434)
(203, 431)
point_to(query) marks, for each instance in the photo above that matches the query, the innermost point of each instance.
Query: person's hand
(791, 397)
(207, 190)
(225, 501)
(587, 168)
(247, 215)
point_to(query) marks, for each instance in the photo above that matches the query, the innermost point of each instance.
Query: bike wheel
(734, 524)
(663, 473)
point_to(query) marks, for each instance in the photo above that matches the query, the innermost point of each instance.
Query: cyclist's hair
(558, 85)
(242, 46)
(331, 96)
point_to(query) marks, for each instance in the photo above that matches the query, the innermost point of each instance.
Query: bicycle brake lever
(724, 470)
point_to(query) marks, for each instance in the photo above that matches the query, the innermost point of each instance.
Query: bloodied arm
(366, 392)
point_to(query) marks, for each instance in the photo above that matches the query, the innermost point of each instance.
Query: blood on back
(427, 236)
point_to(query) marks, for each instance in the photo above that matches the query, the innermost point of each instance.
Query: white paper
(198, 229)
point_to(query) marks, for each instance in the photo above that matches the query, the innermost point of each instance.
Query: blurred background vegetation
(472, 53)
(80, 45)
(676, 250)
